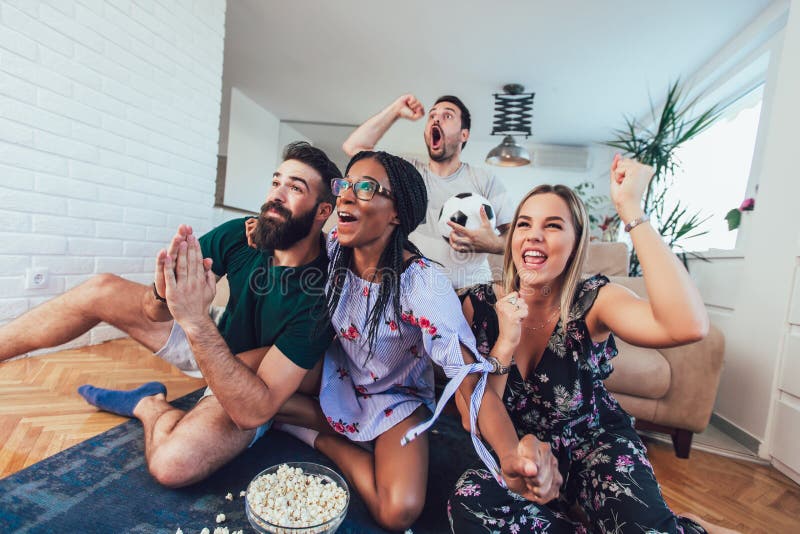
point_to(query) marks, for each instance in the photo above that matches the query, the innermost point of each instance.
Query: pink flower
(352, 332)
(424, 322)
(335, 234)
(392, 326)
(432, 330)
(337, 426)
(350, 428)
(748, 204)
(387, 412)
(365, 291)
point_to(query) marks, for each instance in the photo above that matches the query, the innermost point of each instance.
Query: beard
(272, 234)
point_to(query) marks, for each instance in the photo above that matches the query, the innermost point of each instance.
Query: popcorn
(220, 518)
(205, 531)
(291, 498)
(229, 496)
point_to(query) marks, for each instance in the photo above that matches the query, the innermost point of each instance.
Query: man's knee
(103, 284)
(398, 511)
(173, 469)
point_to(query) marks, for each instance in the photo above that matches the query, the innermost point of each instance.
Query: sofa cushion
(610, 259)
(639, 372)
(643, 409)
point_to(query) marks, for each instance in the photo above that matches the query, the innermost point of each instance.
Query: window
(715, 167)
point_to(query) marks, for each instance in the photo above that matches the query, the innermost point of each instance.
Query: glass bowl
(328, 475)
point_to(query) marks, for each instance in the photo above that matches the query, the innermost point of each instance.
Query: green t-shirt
(269, 305)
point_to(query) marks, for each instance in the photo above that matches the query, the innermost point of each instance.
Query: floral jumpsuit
(564, 402)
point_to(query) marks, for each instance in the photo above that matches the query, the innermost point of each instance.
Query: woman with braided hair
(394, 313)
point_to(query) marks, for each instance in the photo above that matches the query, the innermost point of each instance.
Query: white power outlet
(37, 278)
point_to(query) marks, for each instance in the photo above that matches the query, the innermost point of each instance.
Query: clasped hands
(185, 279)
(532, 471)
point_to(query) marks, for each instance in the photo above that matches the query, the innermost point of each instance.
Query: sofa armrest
(696, 370)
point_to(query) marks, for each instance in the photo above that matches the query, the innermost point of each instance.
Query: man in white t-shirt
(465, 255)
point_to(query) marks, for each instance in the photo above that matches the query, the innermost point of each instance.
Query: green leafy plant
(656, 146)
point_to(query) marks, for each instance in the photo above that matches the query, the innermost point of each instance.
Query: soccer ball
(464, 209)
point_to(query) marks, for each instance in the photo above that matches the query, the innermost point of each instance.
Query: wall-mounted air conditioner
(563, 157)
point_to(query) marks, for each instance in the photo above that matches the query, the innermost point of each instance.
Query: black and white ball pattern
(464, 209)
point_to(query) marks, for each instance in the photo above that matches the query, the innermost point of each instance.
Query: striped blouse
(364, 395)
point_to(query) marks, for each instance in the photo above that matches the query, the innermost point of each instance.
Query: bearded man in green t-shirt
(253, 355)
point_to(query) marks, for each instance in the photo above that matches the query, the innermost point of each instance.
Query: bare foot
(711, 528)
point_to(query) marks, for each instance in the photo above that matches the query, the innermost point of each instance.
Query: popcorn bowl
(254, 501)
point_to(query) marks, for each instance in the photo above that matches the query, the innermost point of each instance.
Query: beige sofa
(666, 390)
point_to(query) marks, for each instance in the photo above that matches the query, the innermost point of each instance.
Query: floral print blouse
(363, 394)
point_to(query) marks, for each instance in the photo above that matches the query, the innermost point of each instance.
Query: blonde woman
(556, 334)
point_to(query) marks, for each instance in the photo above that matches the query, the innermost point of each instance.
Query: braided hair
(411, 202)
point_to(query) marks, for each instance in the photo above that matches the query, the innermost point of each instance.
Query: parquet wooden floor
(749, 497)
(42, 414)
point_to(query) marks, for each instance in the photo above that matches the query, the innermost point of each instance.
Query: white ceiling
(588, 61)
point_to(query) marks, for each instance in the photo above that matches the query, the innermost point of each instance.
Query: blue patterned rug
(102, 485)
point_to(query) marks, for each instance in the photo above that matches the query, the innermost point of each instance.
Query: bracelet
(636, 222)
(497, 367)
(156, 295)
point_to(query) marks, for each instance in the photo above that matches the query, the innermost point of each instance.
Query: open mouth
(345, 217)
(534, 257)
(436, 137)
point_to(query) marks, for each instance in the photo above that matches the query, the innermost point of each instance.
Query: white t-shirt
(463, 268)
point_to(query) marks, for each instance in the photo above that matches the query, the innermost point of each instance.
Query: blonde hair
(574, 268)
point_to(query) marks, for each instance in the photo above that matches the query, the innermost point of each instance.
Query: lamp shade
(508, 154)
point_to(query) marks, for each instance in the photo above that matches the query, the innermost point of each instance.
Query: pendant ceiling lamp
(512, 117)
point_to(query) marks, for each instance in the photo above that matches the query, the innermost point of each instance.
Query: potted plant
(656, 146)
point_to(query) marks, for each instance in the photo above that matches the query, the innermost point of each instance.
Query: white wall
(109, 115)
(747, 291)
(255, 142)
(288, 134)
(772, 251)
(253, 136)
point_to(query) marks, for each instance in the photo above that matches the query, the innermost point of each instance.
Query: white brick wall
(109, 119)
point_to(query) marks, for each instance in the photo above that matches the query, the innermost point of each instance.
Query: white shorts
(177, 350)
